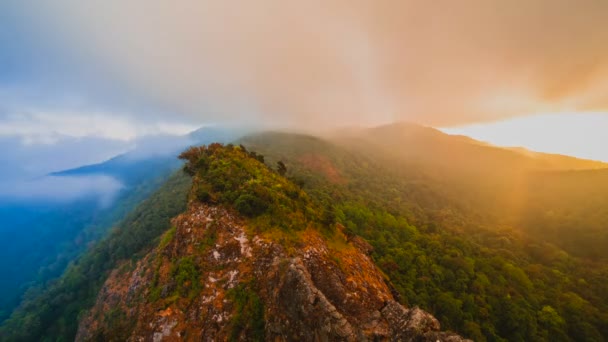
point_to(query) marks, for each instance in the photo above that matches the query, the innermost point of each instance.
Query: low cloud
(47, 127)
(25, 158)
(61, 189)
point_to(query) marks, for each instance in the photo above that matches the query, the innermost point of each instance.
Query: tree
(191, 156)
(281, 168)
(250, 205)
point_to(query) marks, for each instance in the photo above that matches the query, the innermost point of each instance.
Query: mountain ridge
(220, 276)
(431, 140)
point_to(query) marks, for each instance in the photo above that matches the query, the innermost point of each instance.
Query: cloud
(39, 126)
(309, 63)
(21, 158)
(25, 163)
(59, 189)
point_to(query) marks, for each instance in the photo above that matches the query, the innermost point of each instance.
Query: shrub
(186, 275)
(203, 195)
(250, 205)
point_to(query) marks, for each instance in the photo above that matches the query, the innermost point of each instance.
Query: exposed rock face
(215, 280)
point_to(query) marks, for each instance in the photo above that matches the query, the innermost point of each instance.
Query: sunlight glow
(583, 135)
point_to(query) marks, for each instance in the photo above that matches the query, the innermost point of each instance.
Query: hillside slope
(228, 270)
(51, 313)
(452, 237)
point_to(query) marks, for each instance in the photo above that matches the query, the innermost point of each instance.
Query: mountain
(466, 165)
(457, 238)
(154, 155)
(469, 232)
(125, 168)
(415, 143)
(40, 236)
(513, 187)
(252, 259)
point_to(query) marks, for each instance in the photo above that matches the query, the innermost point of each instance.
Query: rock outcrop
(213, 278)
(279, 270)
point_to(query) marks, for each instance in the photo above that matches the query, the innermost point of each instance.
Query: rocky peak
(220, 275)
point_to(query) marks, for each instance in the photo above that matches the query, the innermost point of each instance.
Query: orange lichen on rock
(318, 292)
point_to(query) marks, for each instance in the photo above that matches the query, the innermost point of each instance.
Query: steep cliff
(253, 258)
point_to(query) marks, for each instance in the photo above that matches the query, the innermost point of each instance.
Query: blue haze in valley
(64, 180)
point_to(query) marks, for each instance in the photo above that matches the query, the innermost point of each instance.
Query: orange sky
(316, 62)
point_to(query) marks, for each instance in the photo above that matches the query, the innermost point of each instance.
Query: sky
(576, 134)
(118, 70)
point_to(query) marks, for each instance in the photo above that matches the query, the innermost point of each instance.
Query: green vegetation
(167, 237)
(451, 246)
(233, 176)
(156, 290)
(210, 237)
(187, 277)
(249, 313)
(117, 319)
(569, 209)
(51, 314)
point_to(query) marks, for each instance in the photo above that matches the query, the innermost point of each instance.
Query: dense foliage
(231, 175)
(51, 314)
(569, 209)
(479, 275)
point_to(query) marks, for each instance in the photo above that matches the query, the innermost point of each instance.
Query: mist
(61, 189)
(30, 158)
(315, 63)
